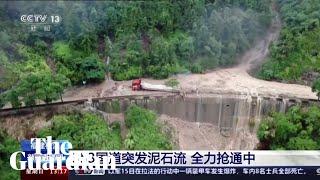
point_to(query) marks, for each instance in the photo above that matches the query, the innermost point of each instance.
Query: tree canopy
(139, 38)
(298, 129)
(144, 132)
(90, 131)
(84, 131)
(296, 54)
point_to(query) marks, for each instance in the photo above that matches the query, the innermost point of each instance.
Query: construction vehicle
(138, 85)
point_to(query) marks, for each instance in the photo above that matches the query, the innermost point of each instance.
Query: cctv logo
(33, 18)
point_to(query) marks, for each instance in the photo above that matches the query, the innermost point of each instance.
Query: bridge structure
(228, 112)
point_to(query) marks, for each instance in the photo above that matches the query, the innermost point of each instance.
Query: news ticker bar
(186, 158)
(176, 172)
(184, 164)
(207, 158)
(257, 170)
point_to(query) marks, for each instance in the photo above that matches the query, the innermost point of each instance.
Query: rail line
(82, 101)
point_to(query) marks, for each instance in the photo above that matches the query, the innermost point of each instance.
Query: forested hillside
(297, 129)
(295, 57)
(128, 39)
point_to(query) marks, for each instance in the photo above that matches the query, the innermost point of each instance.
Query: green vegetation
(84, 131)
(206, 35)
(8, 146)
(115, 106)
(296, 54)
(172, 82)
(34, 80)
(89, 131)
(196, 68)
(298, 129)
(76, 65)
(128, 39)
(144, 133)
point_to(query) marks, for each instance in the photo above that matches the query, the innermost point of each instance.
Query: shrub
(136, 116)
(298, 129)
(158, 72)
(144, 133)
(196, 68)
(301, 143)
(41, 47)
(13, 98)
(208, 62)
(126, 74)
(84, 131)
(172, 82)
(92, 69)
(62, 51)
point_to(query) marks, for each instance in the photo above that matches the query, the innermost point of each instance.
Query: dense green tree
(299, 143)
(13, 97)
(297, 129)
(41, 86)
(35, 81)
(86, 42)
(295, 54)
(90, 131)
(144, 133)
(92, 69)
(141, 38)
(77, 66)
(84, 131)
(62, 51)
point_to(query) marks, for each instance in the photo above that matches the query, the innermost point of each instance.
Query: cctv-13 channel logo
(39, 18)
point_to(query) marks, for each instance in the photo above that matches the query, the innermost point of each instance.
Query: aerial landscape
(161, 75)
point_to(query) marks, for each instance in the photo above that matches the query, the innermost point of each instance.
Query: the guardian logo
(51, 155)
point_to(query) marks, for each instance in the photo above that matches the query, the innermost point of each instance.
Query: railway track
(83, 101)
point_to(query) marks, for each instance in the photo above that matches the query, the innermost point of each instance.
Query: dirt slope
(237, 79)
